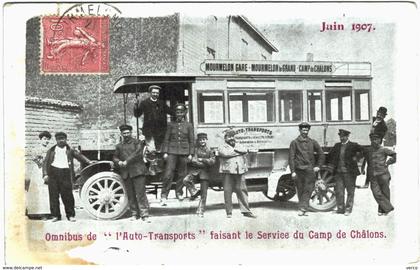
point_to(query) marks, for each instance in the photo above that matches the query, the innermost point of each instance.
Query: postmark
(74, 45)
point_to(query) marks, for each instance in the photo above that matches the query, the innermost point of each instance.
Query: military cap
(60, 134)
(304, 125)
(382, 110)
(343, 132)
(125, 127)
(44, 134)
(154, 87)
(374, 135)
(229, 133)
(202, 136)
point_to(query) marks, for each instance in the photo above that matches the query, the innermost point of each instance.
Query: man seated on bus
(202, 160)
(343, 157)
(233, 165)
(155, 121)
(304, 166)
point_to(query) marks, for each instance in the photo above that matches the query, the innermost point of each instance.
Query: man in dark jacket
(128, 157)
(178, 149)
(343, 158)
(155, 121)
(380, 129)
(303, 165)
(58, 172)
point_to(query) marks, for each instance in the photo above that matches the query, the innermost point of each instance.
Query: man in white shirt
(58, 172)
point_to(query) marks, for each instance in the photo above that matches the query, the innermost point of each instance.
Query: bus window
(246, 107)
(290, 106)
(315, 106)
(362, 105)
(338, 105)
(210, 106)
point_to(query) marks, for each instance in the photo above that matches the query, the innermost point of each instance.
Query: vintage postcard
(211, 133)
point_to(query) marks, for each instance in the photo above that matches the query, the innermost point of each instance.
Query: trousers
(305, 183)
(59, 184)
(136, 194)
(235, 183)
(345, 182)
(180, 163)
(380, 189)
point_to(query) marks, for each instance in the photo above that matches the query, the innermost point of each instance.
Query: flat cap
(154, 86)
(60, 134)
(374, 135)
(304, 125)
(343, 132)
(125, 127)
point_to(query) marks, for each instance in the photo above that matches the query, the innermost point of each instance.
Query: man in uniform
(178, 149)
(343, 158)
(155, 121)
(303, 165)
(378, 159)
(58, 172)
(233, 166)
(128, 157)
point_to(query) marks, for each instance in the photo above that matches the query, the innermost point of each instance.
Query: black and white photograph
(228, 133)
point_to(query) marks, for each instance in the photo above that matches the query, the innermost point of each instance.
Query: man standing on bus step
(155, 121)
(233, 167)
(378, 159)
(58, 172)
(303, 165)
(128, 157)
(379, 128)
(343, 157)
(178, 149)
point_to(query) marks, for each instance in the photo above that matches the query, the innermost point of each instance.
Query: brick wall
(53, 116)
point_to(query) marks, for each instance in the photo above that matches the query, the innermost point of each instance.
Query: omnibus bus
(263, 101)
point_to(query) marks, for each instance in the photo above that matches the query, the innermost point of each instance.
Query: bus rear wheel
(323, 197)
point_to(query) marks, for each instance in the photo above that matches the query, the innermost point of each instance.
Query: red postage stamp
(74, 45)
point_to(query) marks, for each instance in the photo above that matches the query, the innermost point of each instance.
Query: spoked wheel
(285, 189)
(323, 197)
(104, 196)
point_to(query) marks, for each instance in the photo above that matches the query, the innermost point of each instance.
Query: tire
(285, 190)
(104, 196)
(323, 197)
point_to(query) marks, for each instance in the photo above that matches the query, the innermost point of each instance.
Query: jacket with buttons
(132, 153)
(179, 139)
(232, 162)
(202, 167)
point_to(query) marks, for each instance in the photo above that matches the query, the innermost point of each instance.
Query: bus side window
(290, 105)
(251, 107)
(211, 109)
(338, 105)
(362, 105)
(315, 106)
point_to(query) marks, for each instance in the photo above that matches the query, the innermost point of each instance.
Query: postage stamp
(75, 44)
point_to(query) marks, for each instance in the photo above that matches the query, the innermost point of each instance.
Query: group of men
(306, 157)
(192, 161)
